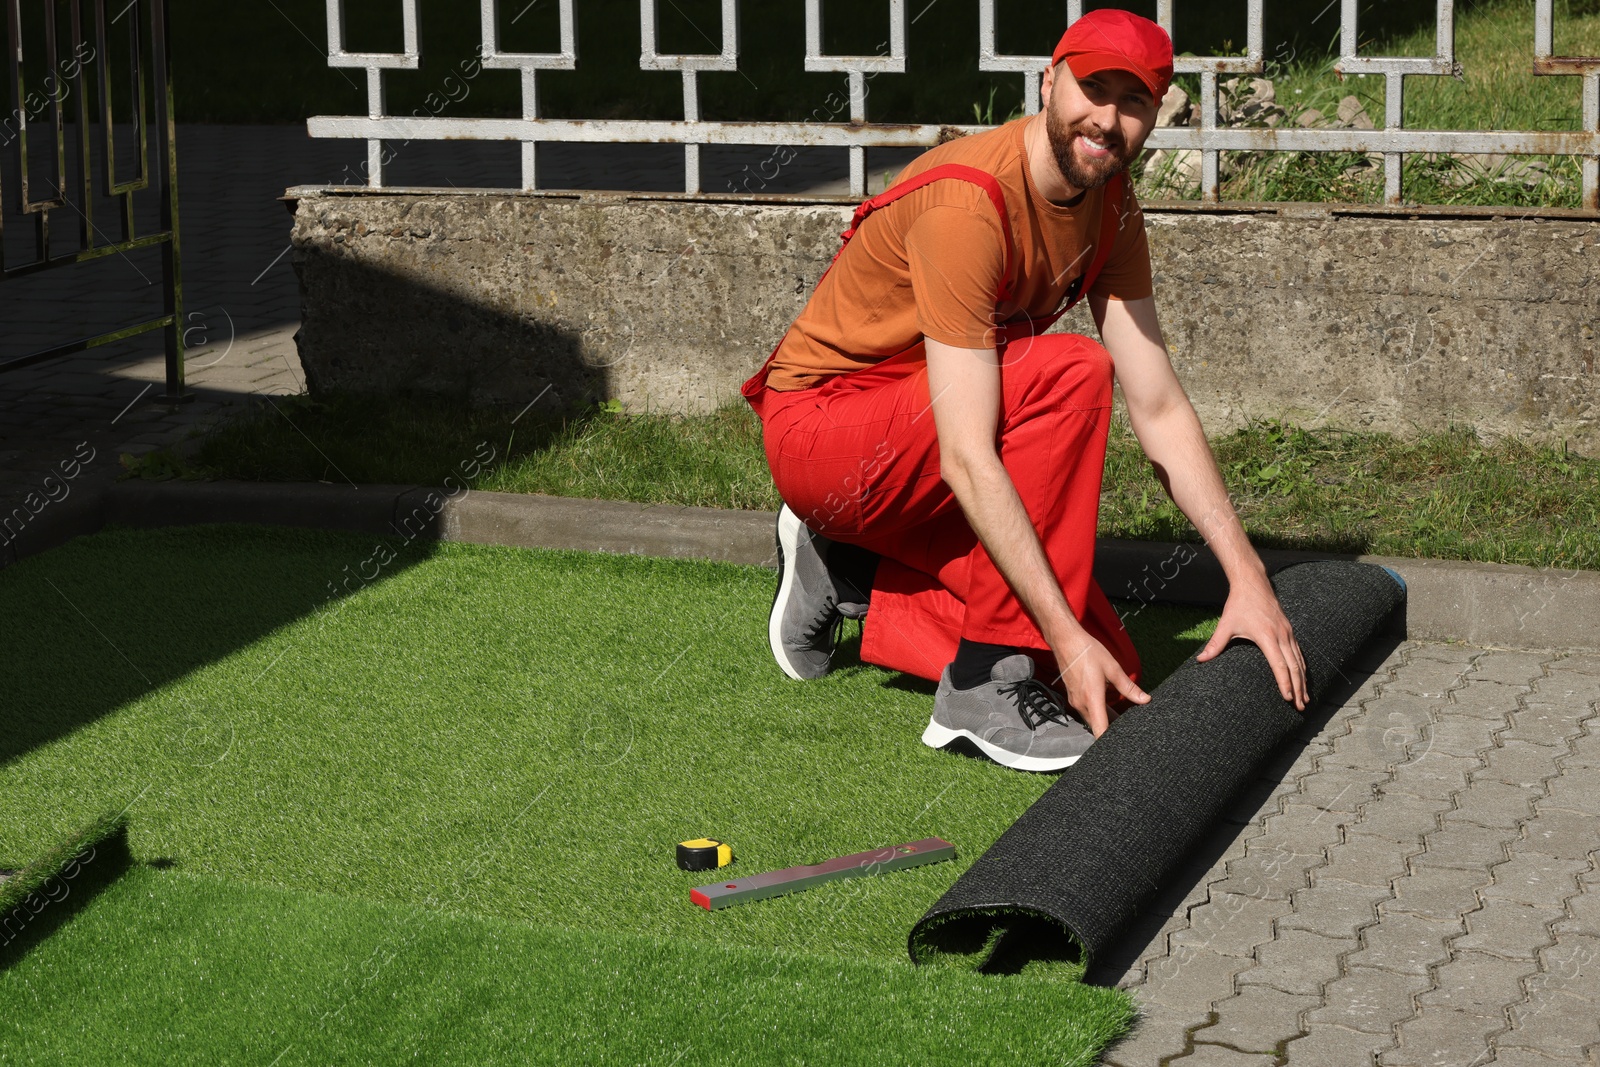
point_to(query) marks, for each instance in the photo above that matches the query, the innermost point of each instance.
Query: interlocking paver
(1427, 676)
(1561, 833)
(1442, 894)
(1257, 1019)
(1556, 1024)
(1507, 929)
(1160, 1034)
(1544, 721)
(1367, 860)
(1462, 846)
(1404, 943)
(1218, 1056)
(1578, 789)
(1400, 818)
(1535, 879)
(1304, 829)
(1493, 701)
(1492, 804)
(1368, 999)
(1334, 1046)
(1454, 735)
(1333, 908)
(1519, 763)
(1443, 1038)
(1582, 915)
(1268, 872)
(1571, 966)
(1189, 980)
(1433, 775)
(1509, 666)
(1527, 1057)
(1230, 924)
(1297, 961)
(1477, 983)
(1585, 753)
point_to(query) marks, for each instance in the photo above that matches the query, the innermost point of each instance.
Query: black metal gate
(68, 66)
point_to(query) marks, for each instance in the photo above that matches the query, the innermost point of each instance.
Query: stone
(1334, 908)
(1159, 1034)
(1334, 1046)
(1444, 1038)
(1365, 860)
(1491, 803)
(1257, 1019)
(1229, 924)
(1309, 118)
(1433, 776)
(1297, 961)
(1401, 818)
(1353, 114)
(1519, 763)
(1404, 944)
(1555, 1024)
(1368, 999)
(1540, 722)
(1175, 107)
(1510, 666)
(1437, 893)
(1464, 847)
(1561, 833)
(1534, 879)
(1218, 1056)
(1189, 980)
(1477, 983)
(1509, 930)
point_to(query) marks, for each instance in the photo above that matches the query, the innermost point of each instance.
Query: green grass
(1498, 91)
(482, 757)
(1443, 495)
(257, 974)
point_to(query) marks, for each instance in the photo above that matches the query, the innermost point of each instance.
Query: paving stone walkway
(1418, 886)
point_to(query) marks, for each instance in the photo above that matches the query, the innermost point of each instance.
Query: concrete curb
(1447, 600)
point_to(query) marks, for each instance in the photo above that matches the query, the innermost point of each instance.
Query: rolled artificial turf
(501, 734)
(1106, 836)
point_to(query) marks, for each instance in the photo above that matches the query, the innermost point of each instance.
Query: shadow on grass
(115, 617)
(39, 900)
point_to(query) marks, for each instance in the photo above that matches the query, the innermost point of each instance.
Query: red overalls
(857, 459)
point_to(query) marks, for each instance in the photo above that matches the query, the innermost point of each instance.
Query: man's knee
(1070, 367)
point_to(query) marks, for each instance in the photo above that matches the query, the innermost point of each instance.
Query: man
(940, 462)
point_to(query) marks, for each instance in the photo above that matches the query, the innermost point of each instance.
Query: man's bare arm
(1170, 433)
(964, 385)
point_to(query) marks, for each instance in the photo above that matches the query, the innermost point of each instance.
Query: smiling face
(1096, 124)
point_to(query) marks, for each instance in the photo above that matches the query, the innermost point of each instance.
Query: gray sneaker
(1014, 719)
(811, 603)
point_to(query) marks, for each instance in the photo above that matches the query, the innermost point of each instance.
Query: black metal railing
(32, 97)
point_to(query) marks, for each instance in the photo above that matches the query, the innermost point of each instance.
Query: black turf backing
(1103, 838)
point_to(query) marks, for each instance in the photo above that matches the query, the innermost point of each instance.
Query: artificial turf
(473, 736)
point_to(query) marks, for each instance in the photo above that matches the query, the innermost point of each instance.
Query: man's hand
(1087, 672)
(1253, 612)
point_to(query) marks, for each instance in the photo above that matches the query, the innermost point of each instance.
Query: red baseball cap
(1111, 39)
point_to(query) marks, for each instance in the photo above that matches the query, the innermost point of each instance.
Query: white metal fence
(1393, 140)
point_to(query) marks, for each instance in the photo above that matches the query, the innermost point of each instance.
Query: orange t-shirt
(931, 263)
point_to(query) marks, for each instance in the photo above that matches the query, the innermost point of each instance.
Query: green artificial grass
(503, 734)
(170, 967)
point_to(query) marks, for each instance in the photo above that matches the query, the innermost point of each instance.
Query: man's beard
(1089, 175)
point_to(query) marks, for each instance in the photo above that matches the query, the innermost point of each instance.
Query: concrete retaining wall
(1360, 320)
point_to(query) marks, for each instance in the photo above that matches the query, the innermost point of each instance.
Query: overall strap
(756, 385)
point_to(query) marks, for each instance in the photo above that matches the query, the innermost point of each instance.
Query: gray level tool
(794, 879)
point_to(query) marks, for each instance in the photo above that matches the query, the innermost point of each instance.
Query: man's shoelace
(829, 622)
(1037, 703)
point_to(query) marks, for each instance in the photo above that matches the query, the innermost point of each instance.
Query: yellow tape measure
(703, 854)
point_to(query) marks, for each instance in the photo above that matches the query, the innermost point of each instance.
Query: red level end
(700, 899)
